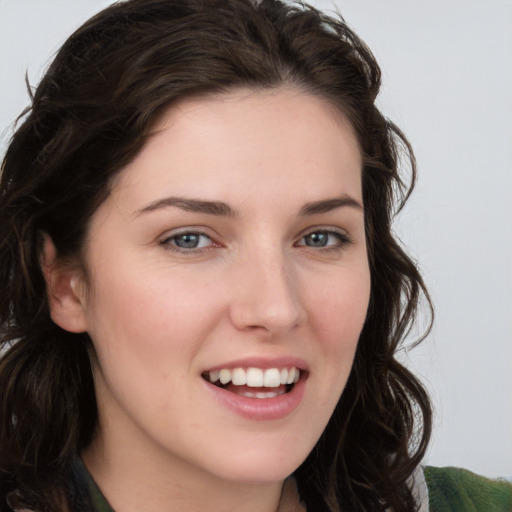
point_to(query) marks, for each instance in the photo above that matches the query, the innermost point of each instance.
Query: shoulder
(453, 489)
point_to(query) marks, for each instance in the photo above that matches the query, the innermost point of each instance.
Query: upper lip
(261, 362)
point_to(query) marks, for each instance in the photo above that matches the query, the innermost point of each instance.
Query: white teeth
(225, 376)
(272, 378)
(262, 394)
(255, 377)
(239, 378)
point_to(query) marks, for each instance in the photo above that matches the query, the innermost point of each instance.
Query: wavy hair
(90, 115)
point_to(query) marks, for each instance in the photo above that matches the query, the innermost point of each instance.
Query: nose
(266, 296)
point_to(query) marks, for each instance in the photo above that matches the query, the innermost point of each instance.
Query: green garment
(450, 490)
(459, 490)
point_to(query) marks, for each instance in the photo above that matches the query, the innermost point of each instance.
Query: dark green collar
(99, 503)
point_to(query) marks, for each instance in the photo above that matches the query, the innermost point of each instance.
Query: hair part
(90, 116)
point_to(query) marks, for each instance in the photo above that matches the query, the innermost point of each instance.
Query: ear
(65, 290)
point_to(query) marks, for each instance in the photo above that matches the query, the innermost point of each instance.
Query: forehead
(247, 140)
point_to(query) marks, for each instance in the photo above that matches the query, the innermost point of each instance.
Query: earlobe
(64, 287)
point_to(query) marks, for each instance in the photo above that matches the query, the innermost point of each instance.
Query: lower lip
(260, 409)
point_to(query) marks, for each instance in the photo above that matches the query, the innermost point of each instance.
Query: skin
(256, 286)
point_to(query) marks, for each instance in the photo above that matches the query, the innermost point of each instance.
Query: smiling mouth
(255, 382)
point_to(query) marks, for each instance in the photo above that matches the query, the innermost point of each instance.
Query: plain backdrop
(447, 82)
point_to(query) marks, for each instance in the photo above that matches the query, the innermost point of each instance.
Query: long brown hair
(90, 115)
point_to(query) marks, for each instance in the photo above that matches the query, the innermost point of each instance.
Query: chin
(260, 466)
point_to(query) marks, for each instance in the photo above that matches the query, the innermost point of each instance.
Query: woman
(202, 292)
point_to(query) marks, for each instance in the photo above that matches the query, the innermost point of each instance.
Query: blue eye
(187, 240)
(317, 239)
(324, 239)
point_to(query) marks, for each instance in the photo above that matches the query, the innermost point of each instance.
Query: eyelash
(342, 239)
(168, 243)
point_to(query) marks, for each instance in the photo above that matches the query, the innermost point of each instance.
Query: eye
(324, 239)
(187, 241)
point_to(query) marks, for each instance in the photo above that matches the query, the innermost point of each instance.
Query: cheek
(122, 326)
(341, 315)
(342, 308)
(143, 344)
(149, 324)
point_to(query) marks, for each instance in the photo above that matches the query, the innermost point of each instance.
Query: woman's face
(232, 248)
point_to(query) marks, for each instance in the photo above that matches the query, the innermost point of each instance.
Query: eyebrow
(190, 205)
(327, 205)
(222, 209)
